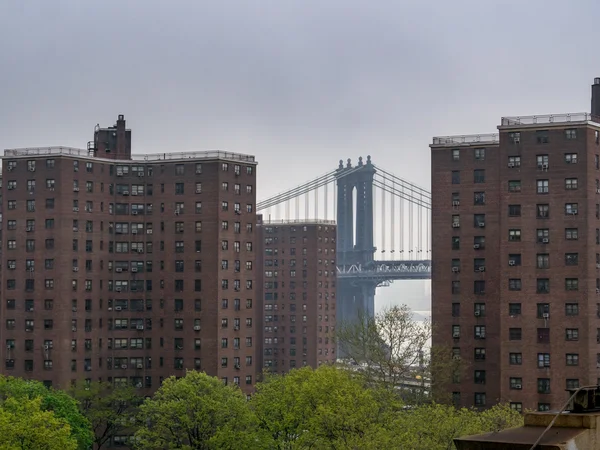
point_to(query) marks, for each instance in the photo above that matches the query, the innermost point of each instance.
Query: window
(514, 235)
(515, 359)
(543, 385)
(456, 287)
(479, 198)
(572, 309)
(543, 310)
(571, 158)
(542, 260)
(479, 377)
(479, 332)
(514, 161)
(514, 210)
(571, 259)
(479, 287)
(571, 134)
(479, 354)
(479, 154)
(571, 284)
(572, 383)
(514, 186)
(455, 309)
(571, 209)
(456, 177)
(455, 243)
(479, 176)
(479, 398)
(571, 183)
(543, 335)
(455, 331)
(479, 309)
(455, 155)
(542, 136)
(542, 186)
(515, 137)
(514, 284)
(514, 309)
(571, 234)
(572, 334)
(479, 220)
(514, 259)
(514, 334)
(543, 285)
(516, 383)
(543, 211)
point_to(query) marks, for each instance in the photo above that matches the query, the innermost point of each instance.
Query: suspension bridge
(377, 213)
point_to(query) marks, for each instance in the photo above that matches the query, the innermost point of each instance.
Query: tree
(435, 426)
(322, 408)
(391, 350)
(197, 412)
(109, 409)
(59, 402)
(25, 425)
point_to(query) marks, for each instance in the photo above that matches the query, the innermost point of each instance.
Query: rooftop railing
(70, 151)
(548, 119)
(467, 139)
(296, 222)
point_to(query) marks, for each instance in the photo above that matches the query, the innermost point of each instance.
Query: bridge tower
(355, 238)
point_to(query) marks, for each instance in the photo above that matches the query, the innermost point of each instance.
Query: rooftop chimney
(596, 97)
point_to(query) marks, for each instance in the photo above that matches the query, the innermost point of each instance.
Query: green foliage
(323, 408)
(25, 425)
(434, 426)
(109, 409)
(197, 412)
(59, 402)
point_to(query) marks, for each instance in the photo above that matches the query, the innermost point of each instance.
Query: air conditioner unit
(481, 224)
(455, 335)
(455, 203)
(139, 385)
(477, 313)
(476, 246)
(196, 327)
(177, 212)
(29, 229)
(237, 366)
(134, 231)
(75, 209)
(455, 269)
(118, 308)
(119, 270)
(134, 213)
(134, 269)
(149, 231)
(118, 289)
(517, 386)
(456, 225)
(32, 169)
(511, 165)
(482, 268)
(75, 229)
(12, 266)
(74, 329)
(125, 192)
(140, 174)
(511, 262)
(75, 189)
(134, 193)
(544, 166)
(546, 315)
(139, 327)
(140, 366)
(10, 168)
(545, 240)
(140, 250)
(123, 366)
(46, 347)
(119, 174)
(236, 328)
(198, 191)
(75, 269)
(74, 309)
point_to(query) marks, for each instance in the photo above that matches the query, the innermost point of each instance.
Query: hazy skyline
(298, 84)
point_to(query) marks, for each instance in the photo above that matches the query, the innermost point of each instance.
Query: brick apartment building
(516, 258)
(298, 266)
(128, 268)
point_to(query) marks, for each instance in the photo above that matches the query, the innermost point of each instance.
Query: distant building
(516, 258)
(128, 268)
(297, 263)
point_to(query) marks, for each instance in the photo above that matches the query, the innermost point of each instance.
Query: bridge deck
(387, 270)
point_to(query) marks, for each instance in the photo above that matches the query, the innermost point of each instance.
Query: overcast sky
(299, 84)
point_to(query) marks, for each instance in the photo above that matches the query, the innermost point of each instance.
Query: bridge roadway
(387, 270)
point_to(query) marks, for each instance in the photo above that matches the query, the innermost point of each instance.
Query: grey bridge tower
(355, 238)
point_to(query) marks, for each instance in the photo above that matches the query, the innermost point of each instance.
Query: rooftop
(467, 139)
(152, 157)
(550, 119)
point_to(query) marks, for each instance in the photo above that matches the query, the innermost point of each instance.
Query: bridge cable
(400, 192)
(420, 232)
(383, 249)
(326, 201)
(401, 201)
(411, 186)
(410, 230)
(306, 206)
(393, 214)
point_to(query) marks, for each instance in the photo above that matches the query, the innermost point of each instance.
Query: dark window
(514, 334)
(479, 176)
(514, 210)
(456, 177)
(514, 309)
